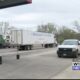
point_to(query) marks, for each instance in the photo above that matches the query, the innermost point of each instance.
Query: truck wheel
(19, 49)
(30, 47)
(51, 45)
(23, 47)
(59, 55)
(46, 45)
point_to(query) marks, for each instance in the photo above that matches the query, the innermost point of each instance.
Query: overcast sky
(60, 12)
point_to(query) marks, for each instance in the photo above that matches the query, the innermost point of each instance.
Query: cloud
(42, 18)
(61, 12)
(27, 17)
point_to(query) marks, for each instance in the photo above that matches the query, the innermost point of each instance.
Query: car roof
(71, 40)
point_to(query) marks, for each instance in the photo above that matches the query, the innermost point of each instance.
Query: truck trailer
(25, 39)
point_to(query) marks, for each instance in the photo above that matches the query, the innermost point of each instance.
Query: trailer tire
(19, 48)
(30, 47)
(50, 45)
(46, 45)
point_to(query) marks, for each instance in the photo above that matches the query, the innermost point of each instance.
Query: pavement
(36, 64)
(68, 74)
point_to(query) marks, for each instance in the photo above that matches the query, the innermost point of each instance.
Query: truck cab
(69, 47)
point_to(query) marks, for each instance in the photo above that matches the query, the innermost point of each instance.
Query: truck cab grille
(65, 49)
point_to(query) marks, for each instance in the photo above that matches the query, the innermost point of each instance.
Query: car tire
(59, 55)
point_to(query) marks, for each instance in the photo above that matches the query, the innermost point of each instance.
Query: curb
(68, 74)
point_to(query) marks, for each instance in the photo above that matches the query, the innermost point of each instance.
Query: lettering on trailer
(42, 34)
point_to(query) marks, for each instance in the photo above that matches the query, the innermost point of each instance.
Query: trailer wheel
(50, 45)
(26, 47)
(19, 48)
(30, 47)
(46, 45)
(22, 47)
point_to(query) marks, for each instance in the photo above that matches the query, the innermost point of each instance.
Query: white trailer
(26, 39)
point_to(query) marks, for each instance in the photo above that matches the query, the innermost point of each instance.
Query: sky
(60, 12)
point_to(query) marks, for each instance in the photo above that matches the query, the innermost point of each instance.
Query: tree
(65, 33)
(48, 28)
(61, 33)
(3, 27)
(76, 23)
(6, 25)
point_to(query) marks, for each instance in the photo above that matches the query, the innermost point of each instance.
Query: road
(33, 64)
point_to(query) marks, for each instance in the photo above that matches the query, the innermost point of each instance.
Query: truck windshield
(70, 43)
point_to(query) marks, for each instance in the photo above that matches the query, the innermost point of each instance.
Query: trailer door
(19, 37)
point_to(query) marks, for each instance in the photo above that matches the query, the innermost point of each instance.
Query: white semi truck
(25, 40)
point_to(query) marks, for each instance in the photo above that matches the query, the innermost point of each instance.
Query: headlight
(74, 49)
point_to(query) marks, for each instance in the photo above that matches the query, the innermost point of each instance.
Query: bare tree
(1, 25)
(76, 23)
(48, 28)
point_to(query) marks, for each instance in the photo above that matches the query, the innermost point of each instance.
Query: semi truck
(25, 40)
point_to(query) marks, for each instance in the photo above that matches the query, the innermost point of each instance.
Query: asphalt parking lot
(33, 64)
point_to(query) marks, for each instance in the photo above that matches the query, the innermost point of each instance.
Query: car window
(70, 43)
